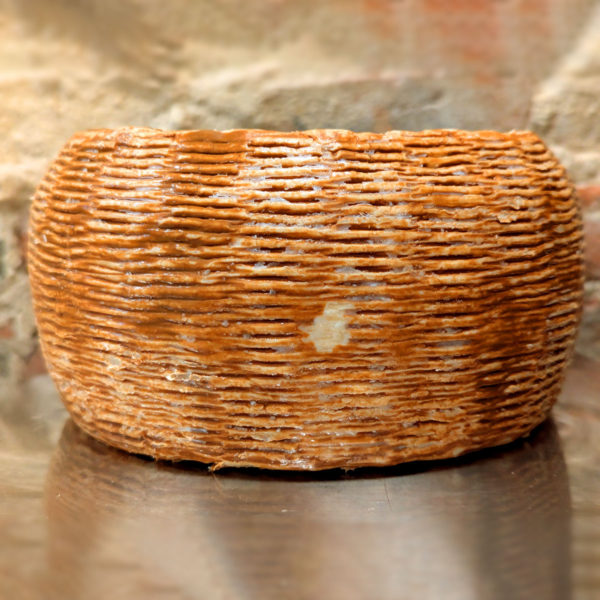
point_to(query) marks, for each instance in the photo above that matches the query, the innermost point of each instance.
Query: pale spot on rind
(329, 329)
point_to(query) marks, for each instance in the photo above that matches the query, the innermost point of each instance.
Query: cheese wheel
(306, 300)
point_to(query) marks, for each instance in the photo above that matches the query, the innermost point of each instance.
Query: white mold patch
(113, 362)
(329, 329)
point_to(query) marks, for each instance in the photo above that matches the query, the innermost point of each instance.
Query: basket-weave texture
(306, 300)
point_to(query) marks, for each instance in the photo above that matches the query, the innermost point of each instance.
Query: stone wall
(67, 65)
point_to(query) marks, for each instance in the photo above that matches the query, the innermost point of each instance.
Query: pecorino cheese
(306, 300)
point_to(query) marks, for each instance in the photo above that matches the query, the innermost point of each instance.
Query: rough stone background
(67, 65)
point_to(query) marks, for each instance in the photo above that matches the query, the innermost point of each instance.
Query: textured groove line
(306, 300)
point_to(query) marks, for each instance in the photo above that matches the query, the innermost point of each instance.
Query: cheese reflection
(491, 526)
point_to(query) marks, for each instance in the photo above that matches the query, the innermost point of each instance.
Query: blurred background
(369, 65)
(67, 65)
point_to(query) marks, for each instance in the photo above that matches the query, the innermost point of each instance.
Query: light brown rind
(306, 300)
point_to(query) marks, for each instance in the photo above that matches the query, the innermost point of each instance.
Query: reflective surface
(79, 520)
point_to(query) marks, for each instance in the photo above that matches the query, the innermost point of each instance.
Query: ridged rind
(306, 300)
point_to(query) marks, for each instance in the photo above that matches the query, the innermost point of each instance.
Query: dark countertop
(81, 521)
